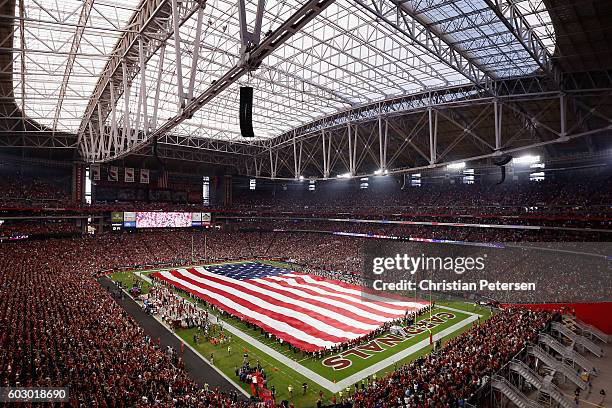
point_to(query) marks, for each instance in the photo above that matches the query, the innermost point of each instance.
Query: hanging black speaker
(501, 161)
(246, 111)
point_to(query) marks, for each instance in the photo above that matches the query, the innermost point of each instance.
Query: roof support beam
(74, 49)
(255, 56)
(195, 54)
(407, 21)
(517, 24)
(22, 55)
(177, 49)
(153, 24)
(250, 39)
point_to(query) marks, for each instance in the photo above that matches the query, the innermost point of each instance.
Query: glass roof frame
(343, 58)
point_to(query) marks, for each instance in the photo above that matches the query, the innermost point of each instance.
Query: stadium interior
(200, 201)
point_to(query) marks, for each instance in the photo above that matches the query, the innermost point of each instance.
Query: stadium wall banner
(113, 173)
(129, 175)
(144, 176)
(95, 172)
(129, 219)
(78, 182)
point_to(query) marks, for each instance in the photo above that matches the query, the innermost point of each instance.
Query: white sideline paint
(143, 277)
(374, 368)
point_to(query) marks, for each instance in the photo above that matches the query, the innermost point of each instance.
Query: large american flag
(309, 312)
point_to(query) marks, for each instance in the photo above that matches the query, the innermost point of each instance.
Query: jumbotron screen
(163, 219)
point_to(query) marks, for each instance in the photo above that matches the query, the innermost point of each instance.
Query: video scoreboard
(158, 219)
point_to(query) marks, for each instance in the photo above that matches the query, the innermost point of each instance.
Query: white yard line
(294, 365)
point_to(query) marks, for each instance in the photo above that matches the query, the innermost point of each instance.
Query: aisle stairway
(557, 366)
(512, 393)
(567, 353)
(547, 390)
(578, 339)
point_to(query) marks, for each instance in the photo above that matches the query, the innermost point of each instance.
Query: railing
(578, 339)
(591, 330)
(554, 364)
(567, 353)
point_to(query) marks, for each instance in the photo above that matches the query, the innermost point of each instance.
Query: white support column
(350, 150)
(177, 49)
(195, 54)
(257, 166)
(433, 135)
(325, 159)
(143, 88)
(136, 124)
(126, 114)
(382, 143)
(296, 169)
(497, 109)
(114, 130)
(563, 111)
(101, 134)
(273, 163)
(91, 153)
(386, 149)
(162, 55)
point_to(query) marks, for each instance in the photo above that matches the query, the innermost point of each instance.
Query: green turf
(128, 279)
(282, 376)
(277, 373)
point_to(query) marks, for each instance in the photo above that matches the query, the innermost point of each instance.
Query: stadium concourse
(299, 204)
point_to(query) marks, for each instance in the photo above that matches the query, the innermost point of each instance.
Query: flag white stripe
(328, 291)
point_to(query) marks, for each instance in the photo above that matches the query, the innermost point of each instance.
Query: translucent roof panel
(49, 31)
(344, 58)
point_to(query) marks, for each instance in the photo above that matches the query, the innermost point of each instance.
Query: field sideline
(284, 367)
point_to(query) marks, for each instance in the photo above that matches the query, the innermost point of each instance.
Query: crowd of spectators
(38, 227)
(562, 196)
(343, 257)
(566, 200)
(449, 376)
(58, 326)
(20, 190)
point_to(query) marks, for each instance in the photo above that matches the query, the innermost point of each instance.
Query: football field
(331, 373)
